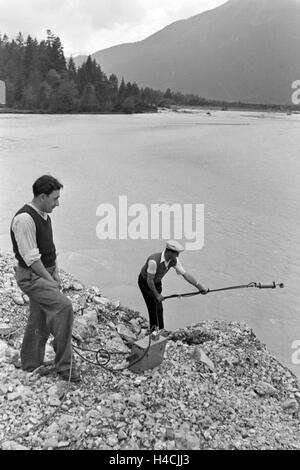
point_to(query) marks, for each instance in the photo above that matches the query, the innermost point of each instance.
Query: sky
(86, 26)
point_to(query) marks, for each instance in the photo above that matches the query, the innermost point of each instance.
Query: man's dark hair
(46, 184)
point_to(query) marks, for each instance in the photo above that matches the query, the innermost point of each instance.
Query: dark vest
(44, 238)
(161, 268)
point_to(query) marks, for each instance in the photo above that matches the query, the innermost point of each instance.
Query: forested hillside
(39, 77)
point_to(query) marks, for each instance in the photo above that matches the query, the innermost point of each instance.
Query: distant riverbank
(139, 109)
(238, 107)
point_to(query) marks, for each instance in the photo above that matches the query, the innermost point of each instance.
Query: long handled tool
(258, 285)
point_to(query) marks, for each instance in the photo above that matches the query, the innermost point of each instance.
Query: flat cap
(173, 245)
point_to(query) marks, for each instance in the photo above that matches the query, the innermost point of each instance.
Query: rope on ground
(108, 354)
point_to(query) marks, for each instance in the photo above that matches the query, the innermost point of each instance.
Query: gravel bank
(217, 388)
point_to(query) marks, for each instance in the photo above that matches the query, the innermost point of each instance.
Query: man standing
(37, 276)
(155, 268)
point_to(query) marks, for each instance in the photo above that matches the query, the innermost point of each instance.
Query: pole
(258, 285)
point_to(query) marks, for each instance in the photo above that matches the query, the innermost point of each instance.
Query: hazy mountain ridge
(244, 50)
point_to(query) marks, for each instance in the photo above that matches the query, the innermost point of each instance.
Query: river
(243, 167)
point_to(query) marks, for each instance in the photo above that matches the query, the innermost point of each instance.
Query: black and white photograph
(150, 228)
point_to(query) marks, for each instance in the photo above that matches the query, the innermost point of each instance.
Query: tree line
(38, 77)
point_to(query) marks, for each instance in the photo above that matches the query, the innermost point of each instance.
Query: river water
(243, 167)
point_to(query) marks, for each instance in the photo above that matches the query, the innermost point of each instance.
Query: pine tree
(72, 73)
(122, 91)
(55, 58)
(88, 101)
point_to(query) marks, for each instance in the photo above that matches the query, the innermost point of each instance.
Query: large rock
(186, 440)
(101, 301)
(265, 389)
(20, 392)
(200, 356)
(90, 317)
(77, 286)
(49, 352)
(58, 390)
(51, 442)
(53, 429)
(116, 344)
(6, 352)
(125, 333)
(12, 445)
(17, 298)
(5, 329)
(290, 405)
(83, 329)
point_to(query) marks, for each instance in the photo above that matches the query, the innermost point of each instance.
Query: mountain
(244, 50)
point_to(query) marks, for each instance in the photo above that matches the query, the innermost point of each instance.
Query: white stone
(96, 290)
(62, 444)
(199, 355)
(101, 301)
(51, 443)
(18, 299)
(125, 332)
(3, 389)
(52, 429)
(265, 389)
(135, 398)
(13, 396)
(6, 352)
(53, 391)
(116, 397)
(12, 445)
(54, 401)
(122, 435)
(290, 405)
(112, 440)
(91, 317)
(77, 286)
(116, 344)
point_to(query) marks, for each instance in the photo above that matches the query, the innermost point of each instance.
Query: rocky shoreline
(218, 387)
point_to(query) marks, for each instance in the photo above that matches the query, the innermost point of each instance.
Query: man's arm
(56, 275)
(41, 271)
(189, 278)
(151, 271)
(24, 230)
(151, 285)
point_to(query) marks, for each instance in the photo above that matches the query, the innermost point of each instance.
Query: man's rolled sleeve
(152, 267)
(24, 230)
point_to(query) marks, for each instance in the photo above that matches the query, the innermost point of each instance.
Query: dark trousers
(50, 312)
(155, 308)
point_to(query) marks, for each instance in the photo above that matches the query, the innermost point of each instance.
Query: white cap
(173, 245)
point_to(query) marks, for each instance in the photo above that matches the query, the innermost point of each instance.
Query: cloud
(86, 26)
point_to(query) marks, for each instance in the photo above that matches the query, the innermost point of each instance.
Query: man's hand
(151, 285)
(56, 278)
(39, 269)
(202, 289)
(189, 278)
